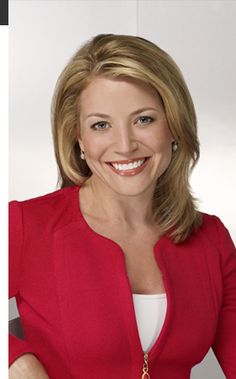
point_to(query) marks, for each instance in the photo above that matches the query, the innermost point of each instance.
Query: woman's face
(124, 134)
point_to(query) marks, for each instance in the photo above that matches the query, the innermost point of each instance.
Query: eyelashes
(104, 125)
(101, 125)
(145, 120)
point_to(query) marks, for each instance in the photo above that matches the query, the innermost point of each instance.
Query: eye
(101, 125)
(143, 120)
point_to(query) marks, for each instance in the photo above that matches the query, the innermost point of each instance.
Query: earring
(174, 146)
(82, 156)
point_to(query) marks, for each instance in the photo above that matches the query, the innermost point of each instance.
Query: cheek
(162, 160)
(94, 146)
(161, 145)
(160, 142)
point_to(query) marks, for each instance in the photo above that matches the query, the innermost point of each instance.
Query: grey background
(199, 35)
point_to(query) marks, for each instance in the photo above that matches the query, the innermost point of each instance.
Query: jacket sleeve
(224, 345)
(17, 346)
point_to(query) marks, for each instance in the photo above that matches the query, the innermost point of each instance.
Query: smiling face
(124, 134)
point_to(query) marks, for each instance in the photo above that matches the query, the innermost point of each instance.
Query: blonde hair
(114, 56)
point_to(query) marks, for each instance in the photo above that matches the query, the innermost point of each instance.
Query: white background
(199, 35)
(3, 202)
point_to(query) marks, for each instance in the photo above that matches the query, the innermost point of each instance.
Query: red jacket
(75, 300)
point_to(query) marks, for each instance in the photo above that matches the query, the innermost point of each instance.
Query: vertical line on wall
(137, 17)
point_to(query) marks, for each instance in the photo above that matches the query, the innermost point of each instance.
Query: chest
(142, 268)
(89, 282)
(103, 294)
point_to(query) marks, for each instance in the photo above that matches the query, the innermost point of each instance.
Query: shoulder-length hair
(116, 56)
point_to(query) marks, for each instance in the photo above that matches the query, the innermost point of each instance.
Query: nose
(125, 140)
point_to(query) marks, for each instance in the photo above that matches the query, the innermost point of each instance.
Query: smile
(129, 167)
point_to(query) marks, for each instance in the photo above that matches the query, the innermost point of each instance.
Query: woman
(117, 274)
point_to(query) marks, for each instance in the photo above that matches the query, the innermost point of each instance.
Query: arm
(27, 366)
(22, 361)
(224, 345)
(17, 346)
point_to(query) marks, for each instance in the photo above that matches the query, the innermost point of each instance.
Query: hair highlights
(115, 56)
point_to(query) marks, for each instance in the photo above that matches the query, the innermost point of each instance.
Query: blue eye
(143, 120)
(101, 125)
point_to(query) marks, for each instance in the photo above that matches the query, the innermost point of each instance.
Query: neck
(103, 203)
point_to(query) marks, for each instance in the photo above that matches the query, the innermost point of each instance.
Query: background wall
(199, 35)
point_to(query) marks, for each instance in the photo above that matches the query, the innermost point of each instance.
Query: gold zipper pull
(145, 367)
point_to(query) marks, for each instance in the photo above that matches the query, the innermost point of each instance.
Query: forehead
(123, 93)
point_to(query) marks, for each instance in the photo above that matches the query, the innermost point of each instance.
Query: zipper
(145, 374)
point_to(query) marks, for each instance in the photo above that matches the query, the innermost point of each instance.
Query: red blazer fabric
(75, 299)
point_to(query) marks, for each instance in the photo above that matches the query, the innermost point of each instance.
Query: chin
(132, 190)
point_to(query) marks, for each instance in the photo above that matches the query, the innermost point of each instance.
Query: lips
(128, 167)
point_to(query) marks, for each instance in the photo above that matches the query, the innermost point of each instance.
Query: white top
(150, 311)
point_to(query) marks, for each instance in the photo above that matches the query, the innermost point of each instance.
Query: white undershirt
(150, 311)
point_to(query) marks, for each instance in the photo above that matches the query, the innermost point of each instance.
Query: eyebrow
(103, 115)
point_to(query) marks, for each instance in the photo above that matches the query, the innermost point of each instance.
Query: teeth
(129, 166)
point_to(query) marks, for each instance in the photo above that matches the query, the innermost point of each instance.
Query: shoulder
(51, 200)
(56, 195)
(210, 223)
(212, 226)
(213, 233)
(55, 207)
